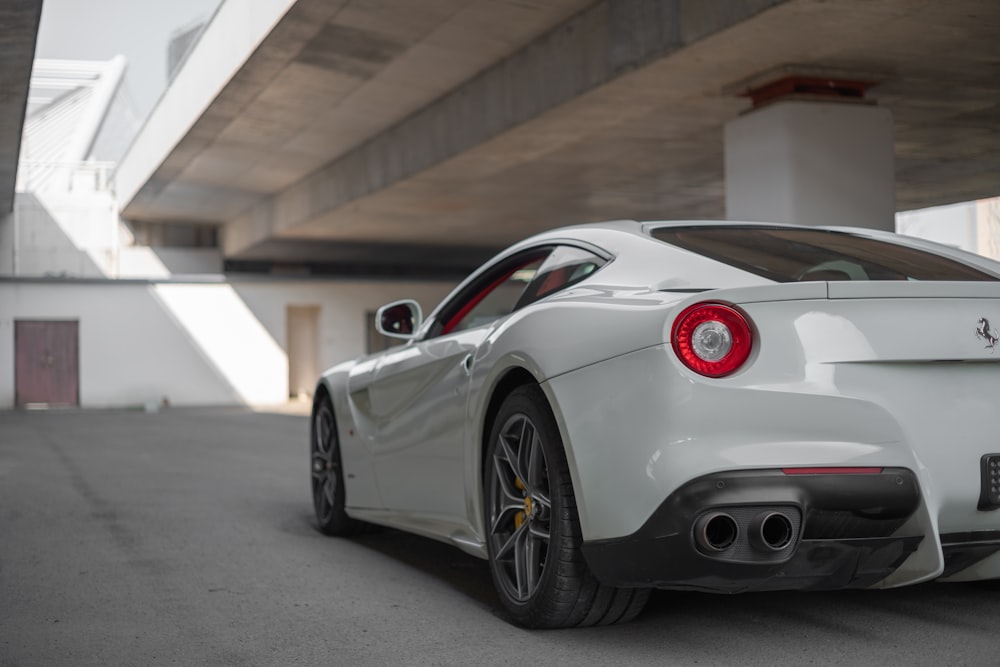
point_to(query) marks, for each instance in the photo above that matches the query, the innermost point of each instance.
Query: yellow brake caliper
(520, 517)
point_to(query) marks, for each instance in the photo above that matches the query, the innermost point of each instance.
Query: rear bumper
(844, 533)
(659, 428)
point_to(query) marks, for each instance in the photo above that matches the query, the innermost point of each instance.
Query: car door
(419, 393)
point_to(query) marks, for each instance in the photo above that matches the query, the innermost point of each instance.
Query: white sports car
(606, 409)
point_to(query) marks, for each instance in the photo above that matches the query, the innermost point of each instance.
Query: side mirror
(399, 319)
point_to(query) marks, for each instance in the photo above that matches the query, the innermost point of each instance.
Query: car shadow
(954, 607)
(465, 573)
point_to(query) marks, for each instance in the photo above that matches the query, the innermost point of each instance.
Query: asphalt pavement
(185, 537)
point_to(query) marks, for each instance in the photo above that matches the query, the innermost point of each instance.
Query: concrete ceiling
(471, 123)
(18, 32)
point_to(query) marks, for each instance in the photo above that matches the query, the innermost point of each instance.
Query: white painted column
(812, 163)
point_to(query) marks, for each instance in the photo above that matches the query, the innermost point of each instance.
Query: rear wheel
(533, 530)
(327, 474)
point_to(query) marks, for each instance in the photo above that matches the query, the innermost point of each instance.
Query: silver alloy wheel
(325, 462)
(520, 508)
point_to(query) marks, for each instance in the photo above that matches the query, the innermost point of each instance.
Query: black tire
(533, 533)
(328, 474)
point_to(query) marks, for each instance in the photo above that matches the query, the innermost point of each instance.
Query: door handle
(467, 363)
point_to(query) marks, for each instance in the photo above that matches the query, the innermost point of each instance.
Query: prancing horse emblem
(984, 332)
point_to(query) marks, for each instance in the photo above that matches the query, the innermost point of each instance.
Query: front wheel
(533, 530)
(327, 473)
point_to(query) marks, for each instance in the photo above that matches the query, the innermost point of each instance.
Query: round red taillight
(712, 339)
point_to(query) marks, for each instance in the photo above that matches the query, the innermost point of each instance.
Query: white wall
(988, 227)
(217, 343)
(131, 349)
(152, 262)
(954, 225)
(78, 234)
(149, 328)
(71, 234)
(343, 305)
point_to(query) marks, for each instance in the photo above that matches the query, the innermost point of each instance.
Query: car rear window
(789, 255)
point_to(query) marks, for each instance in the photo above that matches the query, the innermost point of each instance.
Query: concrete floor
(185, 537)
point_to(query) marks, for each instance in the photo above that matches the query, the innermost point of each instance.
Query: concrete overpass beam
(813, 163)
(607, 41)
(19, 22)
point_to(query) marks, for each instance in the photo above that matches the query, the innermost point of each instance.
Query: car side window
(514, 283)
(493, 295)
(567, 265)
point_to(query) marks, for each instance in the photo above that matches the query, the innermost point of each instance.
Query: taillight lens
(712, 339)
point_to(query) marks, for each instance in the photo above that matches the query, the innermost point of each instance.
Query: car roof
(634, 238)
(595, 232)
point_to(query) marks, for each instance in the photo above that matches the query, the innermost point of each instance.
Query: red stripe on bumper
(831, 471)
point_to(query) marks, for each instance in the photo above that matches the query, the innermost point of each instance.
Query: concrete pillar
(812, 163)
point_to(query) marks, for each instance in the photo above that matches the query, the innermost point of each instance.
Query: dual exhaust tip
(767, 532)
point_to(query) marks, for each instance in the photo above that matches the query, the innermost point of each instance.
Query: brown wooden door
(46, 363)
(302, 336)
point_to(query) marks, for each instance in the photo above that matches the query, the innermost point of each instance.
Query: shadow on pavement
(466, 574)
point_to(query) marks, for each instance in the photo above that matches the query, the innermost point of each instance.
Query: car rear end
(853, 442)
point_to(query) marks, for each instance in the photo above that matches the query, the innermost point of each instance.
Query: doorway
(303, 350)
(46, 363)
